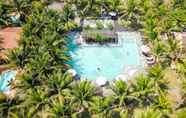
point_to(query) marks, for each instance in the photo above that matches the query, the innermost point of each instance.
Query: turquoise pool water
(107, 61)
(5, 78)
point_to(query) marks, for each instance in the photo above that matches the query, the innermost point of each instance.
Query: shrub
(125, 23)
(110, 26)
(100, 37)
(2, 97)
(87, 27)
(99, 25)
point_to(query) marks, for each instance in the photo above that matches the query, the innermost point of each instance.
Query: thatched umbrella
(101, 81)
(121, 77)
(72, 72)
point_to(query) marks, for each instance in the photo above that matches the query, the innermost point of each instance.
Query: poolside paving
(10, 36)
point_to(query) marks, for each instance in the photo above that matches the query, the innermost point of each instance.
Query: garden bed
(100, 37)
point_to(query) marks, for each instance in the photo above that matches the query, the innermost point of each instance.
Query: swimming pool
(5, 78)
(108, 61)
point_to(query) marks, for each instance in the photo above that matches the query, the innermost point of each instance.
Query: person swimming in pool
(128, 53)
(99, 68)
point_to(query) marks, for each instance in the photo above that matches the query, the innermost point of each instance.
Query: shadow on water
(72, 49)
(70, 39)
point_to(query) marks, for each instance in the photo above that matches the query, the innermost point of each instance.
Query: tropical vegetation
(45, 90)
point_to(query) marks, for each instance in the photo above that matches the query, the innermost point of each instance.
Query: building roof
(10, 36)
(56, 6)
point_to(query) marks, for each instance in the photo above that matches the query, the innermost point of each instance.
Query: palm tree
(174, 48)
(59, 83)
(131, 13)
(4, 11)
(86, 8)
(68, 16)
(16, 58)
(178, 19)
(181, 113)
(157, 73)
(9, 105)
(147, 113)
(181, 66)
(144, 6)
(36, 98)
(178, 3)
(82, 95)
(61, 107)
(42, 42)
(122, 95)
(101, 107)
(150, 28)
(159, 50)
(82, 5)
(163, 104)
(23, 113)
(181, 104)
(23, 7)
(114, 6)
(143, 88)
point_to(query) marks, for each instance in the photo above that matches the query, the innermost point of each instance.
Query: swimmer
(99, 68)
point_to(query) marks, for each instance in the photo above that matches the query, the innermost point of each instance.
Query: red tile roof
(10, 36)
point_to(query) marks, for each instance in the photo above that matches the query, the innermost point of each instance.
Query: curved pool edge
(6, 78)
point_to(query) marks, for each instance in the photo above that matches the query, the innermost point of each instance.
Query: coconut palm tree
(181, 66)
(149, 29)
(41, 42)
(178, 18)
(4, 13)
(59, 83)
(16, 58)
(22, 7)
(9, 105)
(23, 113)
(181, 113)
(174, 48)
(36, 98)
(147, 113)
(82, 95)
(101, 107)
(157, 73)
(131, 13)
(61, 107)
(86, 8)
(83, 5)
(181, 104)
(68, 16)
(114, 6)
(143, 88)
(159, 50)
(122, 94)
(179, 3)
(163, 104)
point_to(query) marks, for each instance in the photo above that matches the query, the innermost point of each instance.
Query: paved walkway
(10, 36)
(118, 27)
